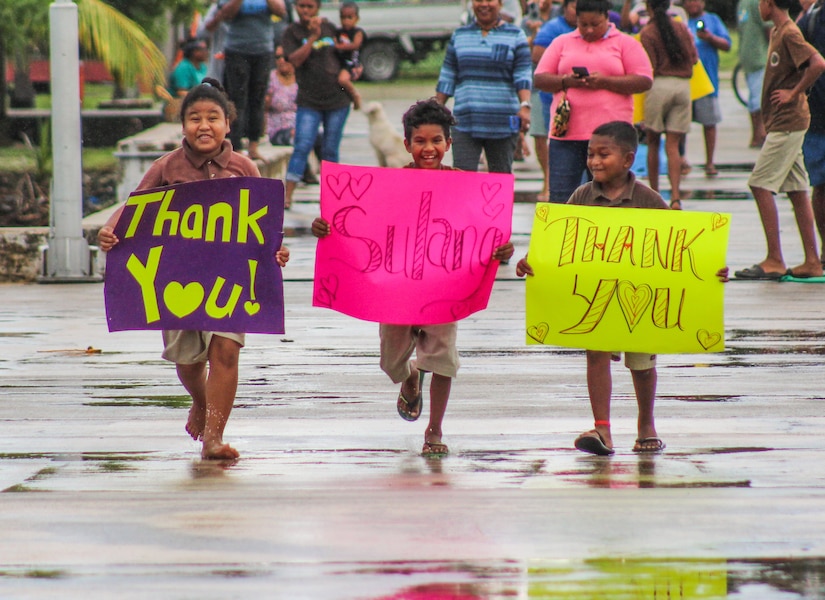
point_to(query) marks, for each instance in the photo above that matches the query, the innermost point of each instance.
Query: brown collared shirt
(634, 195)
(184, 166)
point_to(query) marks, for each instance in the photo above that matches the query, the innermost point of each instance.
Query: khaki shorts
(190, 347)
(780, 166)
(434, 347)
(668, 106)
(636, 361)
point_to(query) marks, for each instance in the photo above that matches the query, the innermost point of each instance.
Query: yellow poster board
(632, 280)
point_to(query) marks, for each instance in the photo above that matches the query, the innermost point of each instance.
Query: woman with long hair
(669, 44)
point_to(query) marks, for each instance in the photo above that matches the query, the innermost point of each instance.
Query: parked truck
(400, 30)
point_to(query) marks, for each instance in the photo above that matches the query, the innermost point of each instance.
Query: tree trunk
(23, 94)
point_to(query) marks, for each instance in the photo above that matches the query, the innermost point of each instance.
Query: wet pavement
(103, 494)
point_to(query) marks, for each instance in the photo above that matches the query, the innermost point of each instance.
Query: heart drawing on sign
(359, 187)
(251, 308)
(633, 301)
(338, 185)
(325, 294)
(542, 210)
(538, 332)
(459, 310)
(183, 300)
(707, 339)
(717, 221)
(490, 208)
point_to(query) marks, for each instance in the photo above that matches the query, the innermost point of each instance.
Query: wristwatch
(525, 104)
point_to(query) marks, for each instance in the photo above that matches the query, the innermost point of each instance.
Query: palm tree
(104, 33)
(121, 44)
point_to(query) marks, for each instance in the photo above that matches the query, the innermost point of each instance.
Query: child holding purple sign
(427, 138)
(205, 154)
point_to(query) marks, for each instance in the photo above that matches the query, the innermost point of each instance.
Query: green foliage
(129, 54)
(150, 14)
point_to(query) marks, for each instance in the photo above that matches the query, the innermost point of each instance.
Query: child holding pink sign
(427, 138)
(205, 154)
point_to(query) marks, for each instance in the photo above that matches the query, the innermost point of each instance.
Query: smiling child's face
(205, 126)
(428, 145)
(607, 161)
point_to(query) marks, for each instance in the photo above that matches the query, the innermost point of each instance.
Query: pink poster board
(410, 246)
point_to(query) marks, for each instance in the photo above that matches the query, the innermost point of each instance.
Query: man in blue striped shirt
(487, 68)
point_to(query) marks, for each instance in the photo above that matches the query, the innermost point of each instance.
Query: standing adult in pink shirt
(598, 69)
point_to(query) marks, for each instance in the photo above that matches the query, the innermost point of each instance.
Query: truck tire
(381, 60)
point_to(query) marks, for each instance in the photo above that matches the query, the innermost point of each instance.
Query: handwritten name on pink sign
(410, 246)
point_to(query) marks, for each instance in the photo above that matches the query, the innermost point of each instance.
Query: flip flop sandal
(410, 411)
(434, 449)
(592, 443)
(657, 445)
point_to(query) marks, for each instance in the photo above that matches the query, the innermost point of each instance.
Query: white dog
(386, 141)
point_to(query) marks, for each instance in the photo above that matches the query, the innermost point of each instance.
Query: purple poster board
(410, 246)
(199, 256)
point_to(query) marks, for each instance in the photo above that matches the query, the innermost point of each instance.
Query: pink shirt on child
(615, 54)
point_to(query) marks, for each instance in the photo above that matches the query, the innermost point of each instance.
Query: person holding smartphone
(711, 36)
(611, 66)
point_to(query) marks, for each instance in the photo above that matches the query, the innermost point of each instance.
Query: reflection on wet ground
(614, 578)
(531, 468)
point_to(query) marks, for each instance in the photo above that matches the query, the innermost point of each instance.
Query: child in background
(427, 138)
(610, 155)
(792, 67)
(205, 154)
(348, 42)
(711, 37)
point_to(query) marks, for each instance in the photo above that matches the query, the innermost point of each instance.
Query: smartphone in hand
(581, 72)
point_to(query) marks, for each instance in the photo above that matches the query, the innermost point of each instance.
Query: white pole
(67, 258)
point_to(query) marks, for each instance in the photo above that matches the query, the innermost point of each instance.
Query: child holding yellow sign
(610, 155)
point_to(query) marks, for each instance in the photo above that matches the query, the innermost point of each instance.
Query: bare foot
(196, 422)
(218, 451)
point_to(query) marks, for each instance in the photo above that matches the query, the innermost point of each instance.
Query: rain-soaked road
(104, 496)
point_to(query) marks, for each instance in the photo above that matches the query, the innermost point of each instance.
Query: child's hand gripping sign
(199, 256)
(410, 246)
(634, 280)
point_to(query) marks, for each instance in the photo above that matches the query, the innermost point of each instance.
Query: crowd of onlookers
(553, 70)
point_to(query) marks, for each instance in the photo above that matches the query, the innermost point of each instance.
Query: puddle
(703, 398)
(698, 194)
(159, 401)
(613, 578)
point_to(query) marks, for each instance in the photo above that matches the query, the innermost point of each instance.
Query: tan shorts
(637, 361)
(434, 346)
(668, 106)
(190, 347)
(780, 166)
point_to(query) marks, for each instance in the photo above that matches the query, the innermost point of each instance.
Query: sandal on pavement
(410, 411)
(593, 443)
(434, 449)
(676, 204)
(649, 445)
(757, 272)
